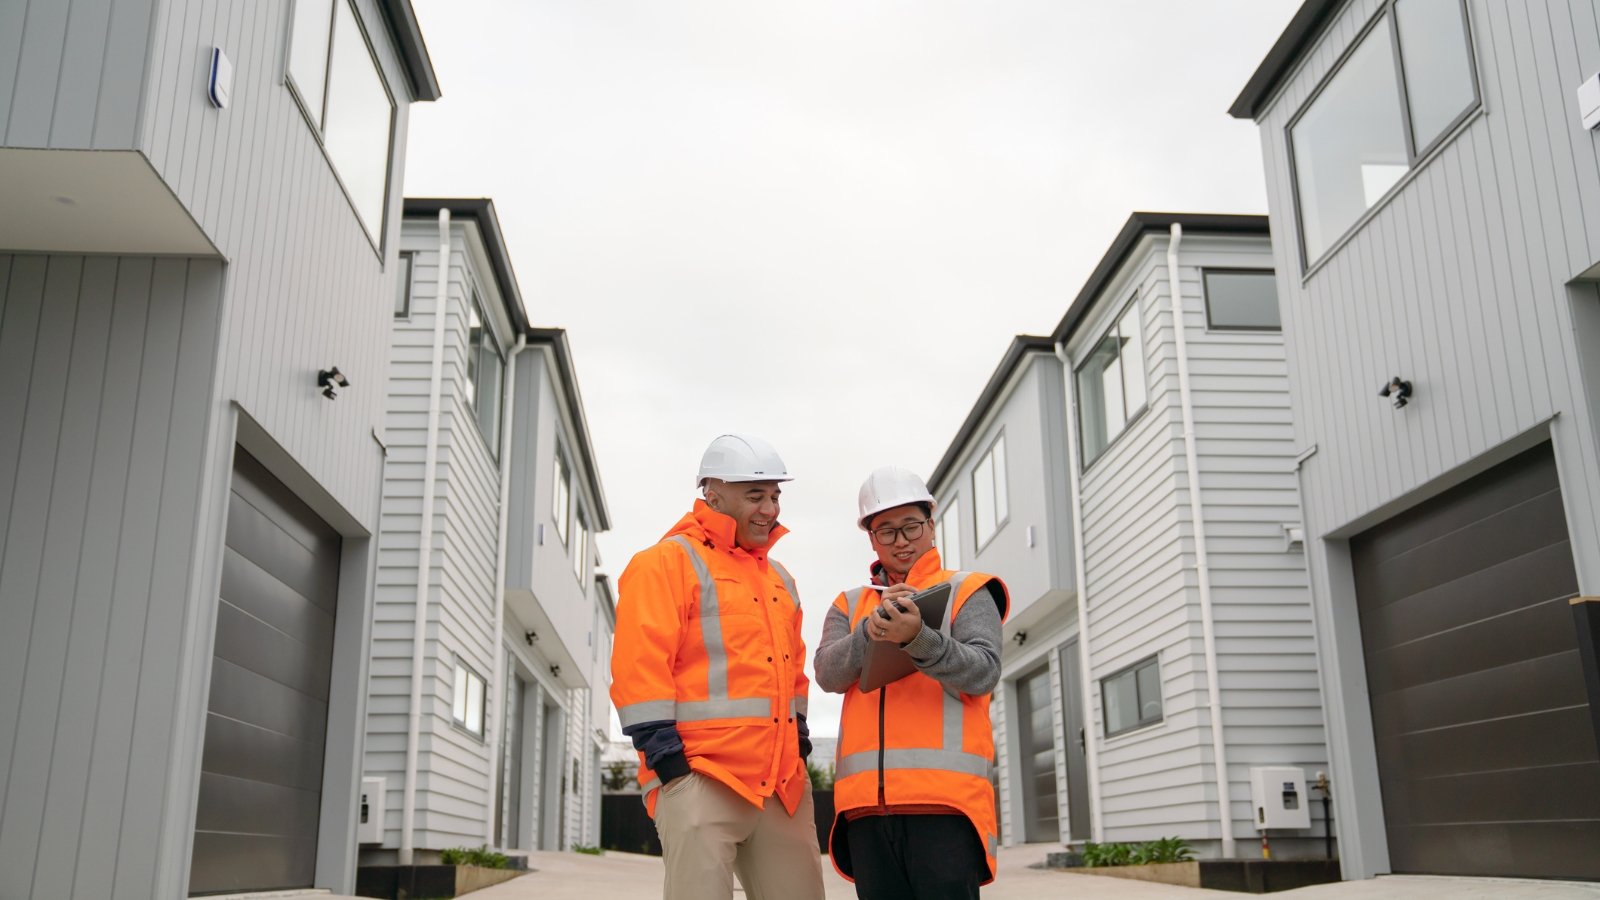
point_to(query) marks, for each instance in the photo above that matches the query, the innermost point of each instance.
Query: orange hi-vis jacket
(914, 743)
(708, 636)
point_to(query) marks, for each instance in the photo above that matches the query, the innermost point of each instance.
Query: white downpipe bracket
(1208, 629)
(430, 464)
(497, 712)
(1097, 827)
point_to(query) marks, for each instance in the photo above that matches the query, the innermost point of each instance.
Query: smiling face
(901, 553)
(753, 506)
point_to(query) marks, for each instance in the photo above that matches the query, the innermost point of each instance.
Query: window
(467, 710)
(580, 549)
(402, 285)
(1395, 95)
(989, 491)
(485, 375)
(1132, 697)
(561, 508)
(1111, 385)
(1241, 300)
(949, 535)
(332, 70)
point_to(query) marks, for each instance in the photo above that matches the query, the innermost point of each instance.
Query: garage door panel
(1544, 574)
(265, 492)
(242, 806)
(259, 539)
(1522, 849)
(1548, 682)
(1551, 737)
(1548, 792)
(257, 646)
(1505, 535)
(228, 863)
(1536, 631)
(1529, 475)
(242, 750)
(253, 590)
(238, 693)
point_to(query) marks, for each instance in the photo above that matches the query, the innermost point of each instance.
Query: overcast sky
(819, 222)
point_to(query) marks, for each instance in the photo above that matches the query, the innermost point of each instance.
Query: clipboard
(886, 661)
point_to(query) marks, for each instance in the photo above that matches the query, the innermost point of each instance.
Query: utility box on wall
(369, 821)
(1278, 794)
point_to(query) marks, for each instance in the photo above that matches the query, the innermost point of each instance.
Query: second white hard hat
(888, 487)
(741, 457)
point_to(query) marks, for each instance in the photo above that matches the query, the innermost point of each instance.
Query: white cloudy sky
(822, 221)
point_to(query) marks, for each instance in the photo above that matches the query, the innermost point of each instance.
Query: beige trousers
(709, 834)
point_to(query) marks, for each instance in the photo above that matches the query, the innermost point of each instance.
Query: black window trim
(1205, 294)
(1086, 463)
(409, 269)
(491, 341)
(459, 725)
(1105, 720)
(1414, 156)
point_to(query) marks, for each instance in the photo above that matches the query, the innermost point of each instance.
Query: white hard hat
(741, 457)
(888, 487)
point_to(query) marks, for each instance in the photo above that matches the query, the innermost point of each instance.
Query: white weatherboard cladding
(1142, 588)
(1462, 283)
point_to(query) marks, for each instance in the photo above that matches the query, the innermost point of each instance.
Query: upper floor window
(1242, 300)
(338, 81)
(1132, 696)
(580, 550)
(989, 491)
(1111, 387)
(949, 535)
(485, 375)
(467, 708)
(561, 507)
(402, 284)
(1396, 94)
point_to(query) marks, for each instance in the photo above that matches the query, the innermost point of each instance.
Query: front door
(1037, 752)
(1073, 740)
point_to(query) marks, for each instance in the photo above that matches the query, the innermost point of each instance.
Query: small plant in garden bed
(473, 856)
(592, 851)
(1163, 850)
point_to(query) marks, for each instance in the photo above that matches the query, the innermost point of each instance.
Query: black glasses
(886, 536)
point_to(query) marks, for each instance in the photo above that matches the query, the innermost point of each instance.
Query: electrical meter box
(1278, 794)
(369, 822)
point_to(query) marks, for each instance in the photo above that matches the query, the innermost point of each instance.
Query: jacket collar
(715, 530)
(924, 572)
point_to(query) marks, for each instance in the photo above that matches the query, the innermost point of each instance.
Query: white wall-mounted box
(369, 822)
(1278, 795)
(1589, 101)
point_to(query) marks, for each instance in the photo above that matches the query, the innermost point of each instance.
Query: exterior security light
(1399, 390)
(219, 85)
(331, 379)
(1589, 101)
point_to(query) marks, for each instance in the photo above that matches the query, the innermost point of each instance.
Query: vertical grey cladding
(107, 363)
(71, 74)
(522, 528)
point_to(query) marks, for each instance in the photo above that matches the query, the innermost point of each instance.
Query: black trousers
(935, 857)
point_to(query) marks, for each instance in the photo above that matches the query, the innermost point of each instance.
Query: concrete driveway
(627, 876)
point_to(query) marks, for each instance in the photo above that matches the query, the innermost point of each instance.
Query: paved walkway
(628, 876)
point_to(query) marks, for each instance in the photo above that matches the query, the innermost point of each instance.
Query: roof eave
(480, 210)
(413, 50)
(1020, 347)
(556, 338)
(1286, 51)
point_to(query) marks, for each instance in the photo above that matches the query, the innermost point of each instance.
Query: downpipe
(497, 714)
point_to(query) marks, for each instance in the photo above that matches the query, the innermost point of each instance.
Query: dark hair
(925, 506)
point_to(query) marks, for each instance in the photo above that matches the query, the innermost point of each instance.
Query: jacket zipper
(883, 702)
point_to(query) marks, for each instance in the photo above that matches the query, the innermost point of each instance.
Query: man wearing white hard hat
(708, 677)
(915, 816)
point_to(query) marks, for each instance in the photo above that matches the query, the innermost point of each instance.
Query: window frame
(461, 724)
(406, 262)
(1142, 722)
(1415, 156)
(580, 550)
(1085, 462)
(950, 513)
(1205, 294)
(490, 342)
(981, 542)
(317, 125)
(561, 477)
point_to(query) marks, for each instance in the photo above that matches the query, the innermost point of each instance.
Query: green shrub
(1163, 850)
(1107, 854)
(592, 851)
(473, 856)
(821, 779)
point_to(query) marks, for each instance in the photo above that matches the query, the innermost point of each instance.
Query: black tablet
(886, 661)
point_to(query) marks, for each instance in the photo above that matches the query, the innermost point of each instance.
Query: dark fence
(626, 826)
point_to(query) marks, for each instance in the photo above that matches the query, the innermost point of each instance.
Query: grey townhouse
(200, 207)
(1131, 477)
(1435, 205)
(488, 702)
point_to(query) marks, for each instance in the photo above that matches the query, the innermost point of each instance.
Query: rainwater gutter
(498, 678)
(430, 464)
(1202, 563)
(1091, 751)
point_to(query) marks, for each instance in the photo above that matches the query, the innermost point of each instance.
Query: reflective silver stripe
(916, 758)
(994, 848)
(788, 582)
(956, 581)
(954, 716)
(797, 705)
(701, 710)
(710, 624)
(852, 599)
(648, 711)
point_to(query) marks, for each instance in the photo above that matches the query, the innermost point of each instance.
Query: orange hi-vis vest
(708, 637)
(915, 743)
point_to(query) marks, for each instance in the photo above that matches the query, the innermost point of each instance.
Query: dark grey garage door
(1485, 750)
(261, 776)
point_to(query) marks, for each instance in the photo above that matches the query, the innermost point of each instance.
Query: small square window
(467, 710)
(1132, 697)
(1242, 300)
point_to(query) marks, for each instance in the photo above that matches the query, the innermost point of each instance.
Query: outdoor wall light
(555, 671)
(530, 637)
(329, 380)
(1399, 390)
(1020, 637)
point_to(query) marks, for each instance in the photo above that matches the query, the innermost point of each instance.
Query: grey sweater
(967, 659)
